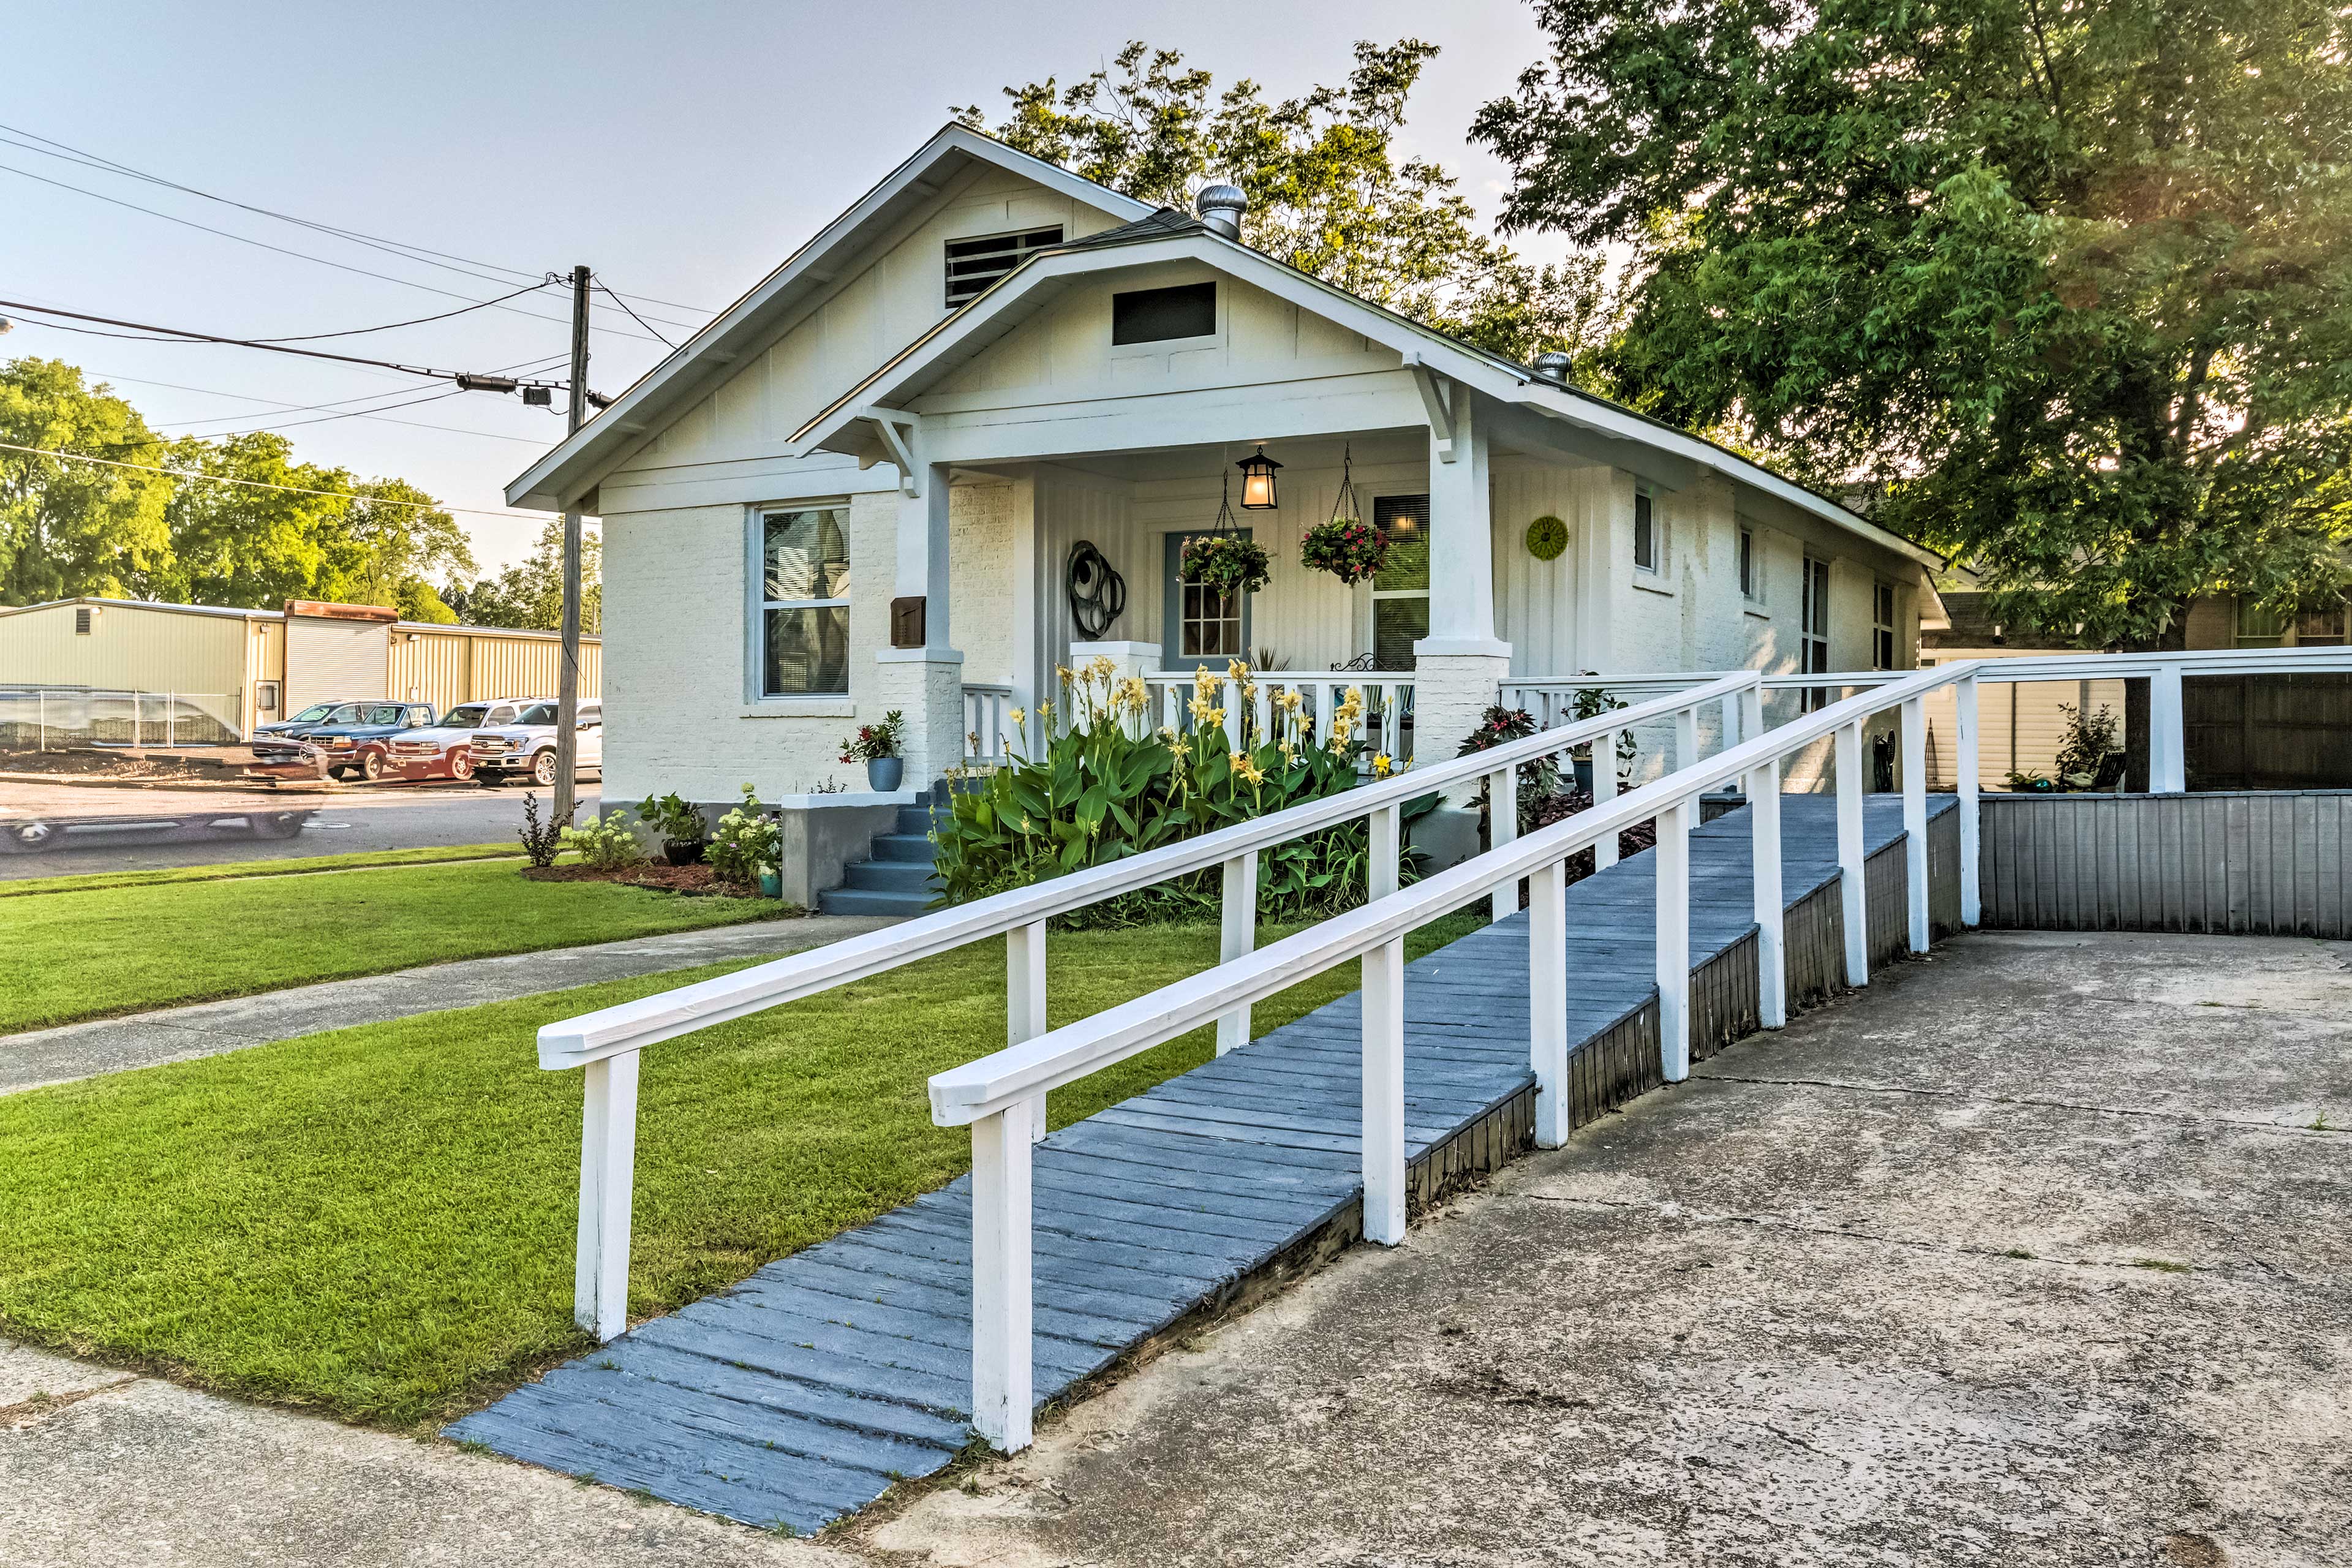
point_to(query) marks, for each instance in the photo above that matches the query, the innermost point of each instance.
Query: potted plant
(1591, 702)
(743, 850)
(1346, 547)
(880, 748)
(684, 834)
(1233, 562)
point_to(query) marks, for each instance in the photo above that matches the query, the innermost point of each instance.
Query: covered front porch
(1051, 563)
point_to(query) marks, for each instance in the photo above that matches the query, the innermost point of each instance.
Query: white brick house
(988, 360)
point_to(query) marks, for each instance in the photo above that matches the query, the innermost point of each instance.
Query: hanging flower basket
(1232, 562)
(1346, 547)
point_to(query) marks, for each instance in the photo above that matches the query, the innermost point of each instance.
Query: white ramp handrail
(996, 1095)
(607, 1042)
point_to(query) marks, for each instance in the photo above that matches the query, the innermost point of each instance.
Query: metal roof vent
(1220, 207)
(1552, 367)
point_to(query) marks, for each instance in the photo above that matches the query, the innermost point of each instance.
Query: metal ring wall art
(1097, 592)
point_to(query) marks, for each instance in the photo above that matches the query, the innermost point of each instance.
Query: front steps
(895, 879)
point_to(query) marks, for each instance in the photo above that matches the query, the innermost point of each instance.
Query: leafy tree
(530, 594)
(2068, 283)
(68, 528)
(1328, 194)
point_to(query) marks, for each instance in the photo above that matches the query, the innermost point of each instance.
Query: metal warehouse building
(244, 667)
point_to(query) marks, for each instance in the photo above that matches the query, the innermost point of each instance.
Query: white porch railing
(995, 1096)
(987, 723)
(1387, 702)
(606, 1043)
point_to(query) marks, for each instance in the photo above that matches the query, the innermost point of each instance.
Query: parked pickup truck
(316, 715)
(351, 741)
(526, 746)
(445, 750)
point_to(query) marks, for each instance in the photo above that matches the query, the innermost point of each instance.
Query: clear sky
(680, 149)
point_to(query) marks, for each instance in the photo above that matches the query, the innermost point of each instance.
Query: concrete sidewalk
(207, 1028)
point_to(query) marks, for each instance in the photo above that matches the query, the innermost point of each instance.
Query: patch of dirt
(690, 880)
(110, 764)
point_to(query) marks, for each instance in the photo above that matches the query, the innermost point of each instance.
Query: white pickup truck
(526, 747)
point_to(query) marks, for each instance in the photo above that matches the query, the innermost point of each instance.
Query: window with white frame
(1751, 566)
(1881, 625)
(1400, 587)
(1813, 630)
(803, 604)
(1648, 549)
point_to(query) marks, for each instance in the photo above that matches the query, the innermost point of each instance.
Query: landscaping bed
(689, 881)
(378, 1223)
(118, 949)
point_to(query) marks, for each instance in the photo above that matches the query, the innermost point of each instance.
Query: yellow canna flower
(1381, 766)
(1020, 715)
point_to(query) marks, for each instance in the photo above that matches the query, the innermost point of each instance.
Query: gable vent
(82, 620)
(974, 264)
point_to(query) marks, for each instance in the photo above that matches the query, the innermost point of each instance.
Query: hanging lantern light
(1257, 481)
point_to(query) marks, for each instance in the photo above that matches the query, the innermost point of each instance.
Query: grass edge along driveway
(377, 1223)
(110, 951)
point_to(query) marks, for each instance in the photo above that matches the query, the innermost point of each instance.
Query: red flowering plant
(1346, 547)
(884, 740)
(1539, 781)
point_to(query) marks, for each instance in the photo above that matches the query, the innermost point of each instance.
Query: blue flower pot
(1584, 774)
(772, 884)
(883, 774)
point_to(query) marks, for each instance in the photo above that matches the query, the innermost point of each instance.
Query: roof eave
(572, 467)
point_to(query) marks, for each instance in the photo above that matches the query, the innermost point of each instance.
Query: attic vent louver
(1552, 367)
(974, 264)
(1221, 208)
(82, 620)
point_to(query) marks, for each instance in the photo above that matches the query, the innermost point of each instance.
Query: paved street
(385, 818)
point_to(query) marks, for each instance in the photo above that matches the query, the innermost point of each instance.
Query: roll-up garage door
(337, 655)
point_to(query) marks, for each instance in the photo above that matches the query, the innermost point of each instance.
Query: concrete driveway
(390, 817)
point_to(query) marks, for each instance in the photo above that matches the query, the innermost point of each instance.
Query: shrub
(1103, 787)
(541, 841)
(609, 842)
(745, 844)
(678, 821)
(2091, 749)
(1536, 780)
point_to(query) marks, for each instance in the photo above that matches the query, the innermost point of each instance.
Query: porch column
(924, 679)
(1460, 666)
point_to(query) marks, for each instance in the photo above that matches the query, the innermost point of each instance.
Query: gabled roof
(678, 382)
(1168, 235)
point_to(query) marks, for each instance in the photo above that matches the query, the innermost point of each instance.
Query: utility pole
(567, 690)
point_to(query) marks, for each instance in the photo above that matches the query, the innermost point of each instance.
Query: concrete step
(889, 877)
(918, 819)
(870, 901)
(912, 848)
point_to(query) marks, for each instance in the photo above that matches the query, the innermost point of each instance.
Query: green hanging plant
(1224, 558)
(1346, 546)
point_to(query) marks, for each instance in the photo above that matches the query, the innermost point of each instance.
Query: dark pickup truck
(350, 739)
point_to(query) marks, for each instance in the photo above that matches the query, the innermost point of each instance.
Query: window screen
(974, 264)
(1157, 315)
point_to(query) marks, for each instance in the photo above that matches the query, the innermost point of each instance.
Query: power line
(259, 485)
(284, 407)
(633, 315)
(462, 377)
(303, 255)
(417, 320)
(392, 247)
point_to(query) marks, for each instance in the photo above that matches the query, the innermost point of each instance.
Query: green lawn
(91, 880)
(113, 950)
(378, 1222)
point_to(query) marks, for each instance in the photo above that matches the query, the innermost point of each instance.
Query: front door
(1200, 626)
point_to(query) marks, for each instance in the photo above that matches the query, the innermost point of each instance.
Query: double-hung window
(1881, 625)
(1648, 552)
(1813, 628)
(1751, 567)
(804, 608)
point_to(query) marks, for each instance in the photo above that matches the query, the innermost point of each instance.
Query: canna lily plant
(1104, 783)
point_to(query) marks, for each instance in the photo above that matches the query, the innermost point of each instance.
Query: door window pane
(1400, 588)
(1397, 625)
(808, 650)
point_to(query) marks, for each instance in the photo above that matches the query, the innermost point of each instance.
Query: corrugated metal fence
(2260, 864)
